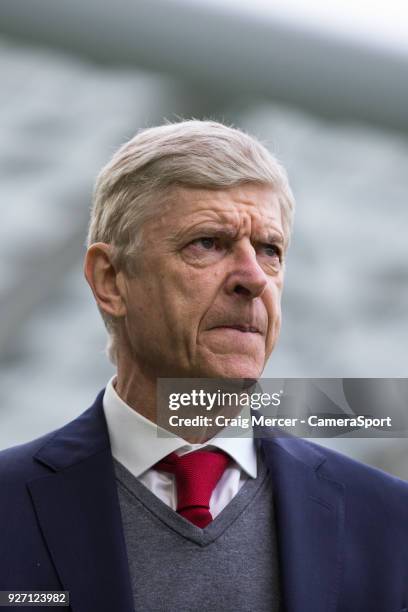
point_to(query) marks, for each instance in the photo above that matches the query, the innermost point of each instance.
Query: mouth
(245, 329)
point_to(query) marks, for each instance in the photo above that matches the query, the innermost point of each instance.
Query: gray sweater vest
(231, 565)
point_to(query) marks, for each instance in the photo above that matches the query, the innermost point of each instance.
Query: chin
(234, 367)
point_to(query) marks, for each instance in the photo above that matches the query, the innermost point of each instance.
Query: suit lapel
(310, 524)
(79, 515)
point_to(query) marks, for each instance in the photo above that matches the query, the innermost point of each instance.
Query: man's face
(206, 298)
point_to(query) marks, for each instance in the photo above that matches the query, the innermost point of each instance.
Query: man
(189, 229)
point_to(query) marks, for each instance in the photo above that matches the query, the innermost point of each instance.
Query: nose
(246, 278)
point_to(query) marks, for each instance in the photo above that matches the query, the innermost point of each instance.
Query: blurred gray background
(327, 93)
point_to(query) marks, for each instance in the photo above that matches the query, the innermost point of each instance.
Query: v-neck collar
(202, 537)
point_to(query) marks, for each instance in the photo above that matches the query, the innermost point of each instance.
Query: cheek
(273, 306)
(196, 289)
(172, 303)
(273, 301)
(182, 298)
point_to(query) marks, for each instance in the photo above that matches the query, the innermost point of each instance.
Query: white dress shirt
(136, 445)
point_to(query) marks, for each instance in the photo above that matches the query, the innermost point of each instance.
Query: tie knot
(196, 474)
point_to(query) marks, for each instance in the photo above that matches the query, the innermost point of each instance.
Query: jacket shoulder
(333, 465)
(17, 462)
(365, 481)
(83, 435)
(347, 465)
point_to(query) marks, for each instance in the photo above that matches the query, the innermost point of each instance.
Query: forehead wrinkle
(208, 217)
(260, 226)
(233, 215)
(226, 222)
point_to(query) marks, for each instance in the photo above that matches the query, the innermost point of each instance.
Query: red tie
(196, 475)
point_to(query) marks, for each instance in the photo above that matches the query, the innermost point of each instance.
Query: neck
(139, 392)
(137, 386)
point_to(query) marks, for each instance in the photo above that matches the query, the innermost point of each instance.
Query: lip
(241, 328)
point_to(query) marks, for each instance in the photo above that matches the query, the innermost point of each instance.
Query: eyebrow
(217, 229)
(275, 237)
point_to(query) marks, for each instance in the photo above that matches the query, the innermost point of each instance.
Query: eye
(205, 241)
(205, 250)
(272, 250)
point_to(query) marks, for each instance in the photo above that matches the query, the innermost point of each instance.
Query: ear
(106, 283)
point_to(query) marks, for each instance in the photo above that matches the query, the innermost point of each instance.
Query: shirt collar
(135, 442)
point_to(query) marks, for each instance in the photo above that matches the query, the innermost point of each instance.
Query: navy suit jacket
(342, 526)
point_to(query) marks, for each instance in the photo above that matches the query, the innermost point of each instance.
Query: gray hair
(133, 185)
